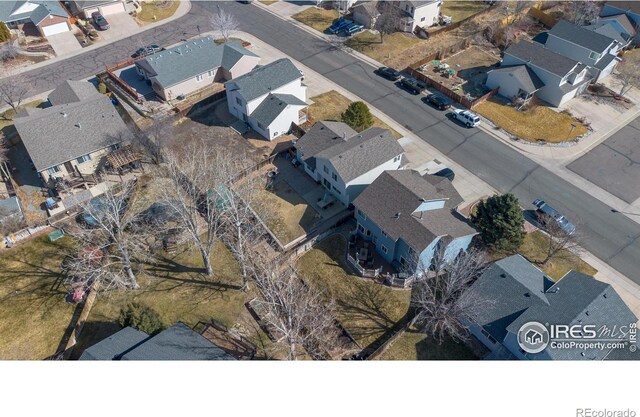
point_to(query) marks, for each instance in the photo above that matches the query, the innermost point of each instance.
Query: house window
(53, 170)
(384, 249)
(383, 233)
(397, 158)
(361, 228)
(275, 134)
(239, 100)
(412, 253)
(368, 232)
(114, 147)
(199, 78)
(361, 214)
(84, 159)
(422, 20)
(375, 239)
(326, 183)
(334, 176)
(594, 56)
(210, 73)
(403, 261)
(326, 170)
(336, 189)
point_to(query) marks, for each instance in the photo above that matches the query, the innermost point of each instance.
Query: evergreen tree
(141, 317)
(358, 116)
(500, 221)
(4, 32)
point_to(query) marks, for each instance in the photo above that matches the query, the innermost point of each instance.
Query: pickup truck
(339, 25)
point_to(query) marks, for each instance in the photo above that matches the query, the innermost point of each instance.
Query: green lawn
(33, 311)
(156, 10)
(538, 123)
(331, 105)
(394, 45)
(366, 309)
(316, 18)
(460, 10)
(533, 249)
(413, 346)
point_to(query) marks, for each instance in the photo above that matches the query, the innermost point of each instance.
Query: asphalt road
(610, 236)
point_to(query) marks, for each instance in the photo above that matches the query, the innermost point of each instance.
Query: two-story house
(270, 98)
(557, 78)
(631, 9)
(412, 218)
(516, 292)
(345, 161)
(586, 46)
(420, 13)
(193, 65)
(72, 137)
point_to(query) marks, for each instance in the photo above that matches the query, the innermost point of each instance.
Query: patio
(362, 255)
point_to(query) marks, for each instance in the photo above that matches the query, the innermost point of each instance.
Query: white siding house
(423, 13)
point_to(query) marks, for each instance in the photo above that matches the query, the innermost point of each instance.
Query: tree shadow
(92, 333)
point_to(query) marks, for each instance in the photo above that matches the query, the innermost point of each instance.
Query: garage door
(54, 29)
(112, 8)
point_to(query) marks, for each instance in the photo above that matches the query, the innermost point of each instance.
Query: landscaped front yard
(460, 10)
(6, 117)
(536, 124)
(156, 10)
(331, 105)
(317, 18)
(366, 309)
(394, 45)
(413, 346)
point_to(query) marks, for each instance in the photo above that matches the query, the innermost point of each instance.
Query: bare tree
(628, 73)
(8, 52)
(558, 244)
(298, 316)
(14, 90)
(584, 12)
(389, 21)
(194, 194)
(521, 6)
(439, 295)
(224, 23)
(105, 244)
(4, 158)
(154, 138)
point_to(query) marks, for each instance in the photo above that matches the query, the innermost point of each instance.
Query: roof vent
(78, 125)
(586, 312)
(63, 114)
(397, 215)
(604, 295)
(526, 294)
(503, 275)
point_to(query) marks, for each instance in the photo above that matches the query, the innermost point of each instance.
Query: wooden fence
(430, 82)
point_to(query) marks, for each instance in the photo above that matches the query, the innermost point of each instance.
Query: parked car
(466, 117)
(100, 21)
(438, 101)
(350, 30)
(545, 212)
(147, 50)
(411, 85)
(388, 73)
(447, 173)
(339, 25)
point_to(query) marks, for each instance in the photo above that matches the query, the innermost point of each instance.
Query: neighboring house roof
(272, 106)
(392, 198)
(605, 61)
(623, 20)
(528, 80)
(520, 293)
(58, 134)
(420, 3)
(9, 207)
(115, 345)
(631, 6)
(578, 35)
(541, 57)
(264, 79)
(321, 136)
(178, 342)
(72, 92)
(34, 10)
(94, 3)
(359, 154)
(607, 29)
(368, 8)
(191, 58)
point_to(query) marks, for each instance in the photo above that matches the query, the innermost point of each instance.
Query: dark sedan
(100, 21)
(147, 50)
(438, 101)
(388, 73)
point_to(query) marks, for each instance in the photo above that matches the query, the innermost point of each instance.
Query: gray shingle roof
(359, 154)
(192, 58)
(392, 198)
(115, 345)
(580, 36)
(523, 293)
(61, 133)
(322, 135)
(608, 30)
(419, 3)
(264, 79)
(72, 92)
(368, 8)
(9, 207)
(605, 60)
(623, 20)
(528, 79)
(633, 6)
(37, 15)
(273, 105)
(93, 3)
(539, 56)
(178, 342)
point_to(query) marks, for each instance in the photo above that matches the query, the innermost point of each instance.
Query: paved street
(614, 165)
(612, 237)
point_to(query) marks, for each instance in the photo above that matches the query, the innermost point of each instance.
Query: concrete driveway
(120, 24)
(64, 43)
(289, 8)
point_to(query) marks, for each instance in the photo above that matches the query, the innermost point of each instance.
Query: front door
(69, 167)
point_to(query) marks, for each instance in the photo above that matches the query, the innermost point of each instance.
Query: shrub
(102, 88)
(5, 34)
(358, 116)
(141, 317)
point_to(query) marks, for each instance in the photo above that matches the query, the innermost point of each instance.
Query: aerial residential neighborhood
(319, 180)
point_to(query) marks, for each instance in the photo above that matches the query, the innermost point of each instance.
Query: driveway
(614, 165)
(121, 24)
(289, 8)
(64, 43)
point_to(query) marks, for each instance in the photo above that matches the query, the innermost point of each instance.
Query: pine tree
(500, 221)
(358, 116)
(4, 32)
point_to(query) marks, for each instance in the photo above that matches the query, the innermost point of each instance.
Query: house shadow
(92, 333)
(211, 112)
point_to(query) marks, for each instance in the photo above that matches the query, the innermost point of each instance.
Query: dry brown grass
(394, 46)
(160, 9)
(331, 105)
(413, 346)
(536, 124)
(318, 19)
(366, 309)
(460, 10)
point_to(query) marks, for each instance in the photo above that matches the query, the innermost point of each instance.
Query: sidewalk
(183, 9)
